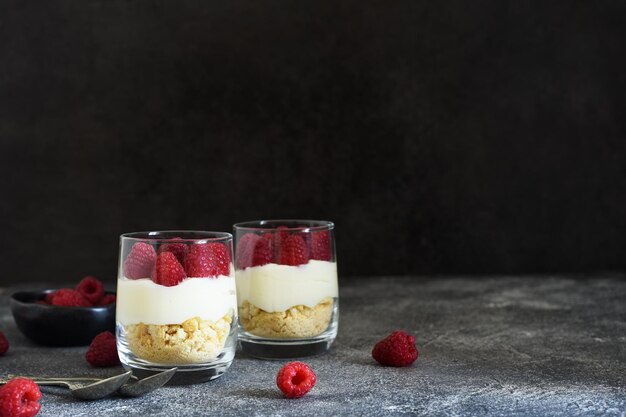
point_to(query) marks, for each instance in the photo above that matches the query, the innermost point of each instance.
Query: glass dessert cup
(287, 287)
(176, 304)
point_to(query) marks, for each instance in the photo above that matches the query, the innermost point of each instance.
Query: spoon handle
(51, 382)
(50, 378)
(34, 378)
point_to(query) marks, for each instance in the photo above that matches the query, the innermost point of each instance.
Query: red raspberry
(254, 250)
(4, 344)
(207, 260)
(397, 349)
(67, 297)
(295, 379)
(180, 250)
(19, 398)
(293, 251)
(167, 270)
(103, 351)
(278, 237)
(245, 250)
(263, 251)
(91, 288)
(48, 298)
(140, 261)
(107, 299)
(320, 245)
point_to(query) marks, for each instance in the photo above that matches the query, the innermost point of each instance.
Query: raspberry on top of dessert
(176, 304)
(175, 283)
(286, 281)
(283, 248)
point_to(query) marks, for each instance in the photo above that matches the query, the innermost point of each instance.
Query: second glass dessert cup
(176, 304)
(287, 287)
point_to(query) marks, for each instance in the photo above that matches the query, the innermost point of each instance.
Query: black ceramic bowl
(59, 326)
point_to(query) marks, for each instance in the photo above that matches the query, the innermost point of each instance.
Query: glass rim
(271, 225)
(156, 236)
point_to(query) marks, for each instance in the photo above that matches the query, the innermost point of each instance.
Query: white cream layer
(143, 301)
(274, 287)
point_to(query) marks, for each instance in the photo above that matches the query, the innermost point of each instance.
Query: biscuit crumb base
(296, 322)
(193, 341)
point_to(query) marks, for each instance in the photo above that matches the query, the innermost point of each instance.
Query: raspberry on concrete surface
(103, 351)
(398, 349)
(19, 398)
(295, 379)
(4, 344)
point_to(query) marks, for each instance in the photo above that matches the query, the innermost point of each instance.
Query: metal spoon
(81, 389)
(146, 385)
(129, 389)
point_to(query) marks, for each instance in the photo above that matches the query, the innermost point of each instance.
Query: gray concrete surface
(494, 346)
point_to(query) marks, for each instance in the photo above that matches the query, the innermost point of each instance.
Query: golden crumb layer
(296, 322)
(193, 341)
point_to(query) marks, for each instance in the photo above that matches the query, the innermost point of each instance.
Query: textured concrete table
(494, 346)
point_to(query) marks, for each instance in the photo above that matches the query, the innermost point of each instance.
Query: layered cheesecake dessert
(177, 305)
(286, 284)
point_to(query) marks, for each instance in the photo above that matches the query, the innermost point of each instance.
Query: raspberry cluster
(175, 260)
(88, 293)
(284, 246)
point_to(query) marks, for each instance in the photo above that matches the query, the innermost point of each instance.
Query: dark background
(441, 137)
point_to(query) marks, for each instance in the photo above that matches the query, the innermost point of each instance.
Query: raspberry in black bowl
(66, 316)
